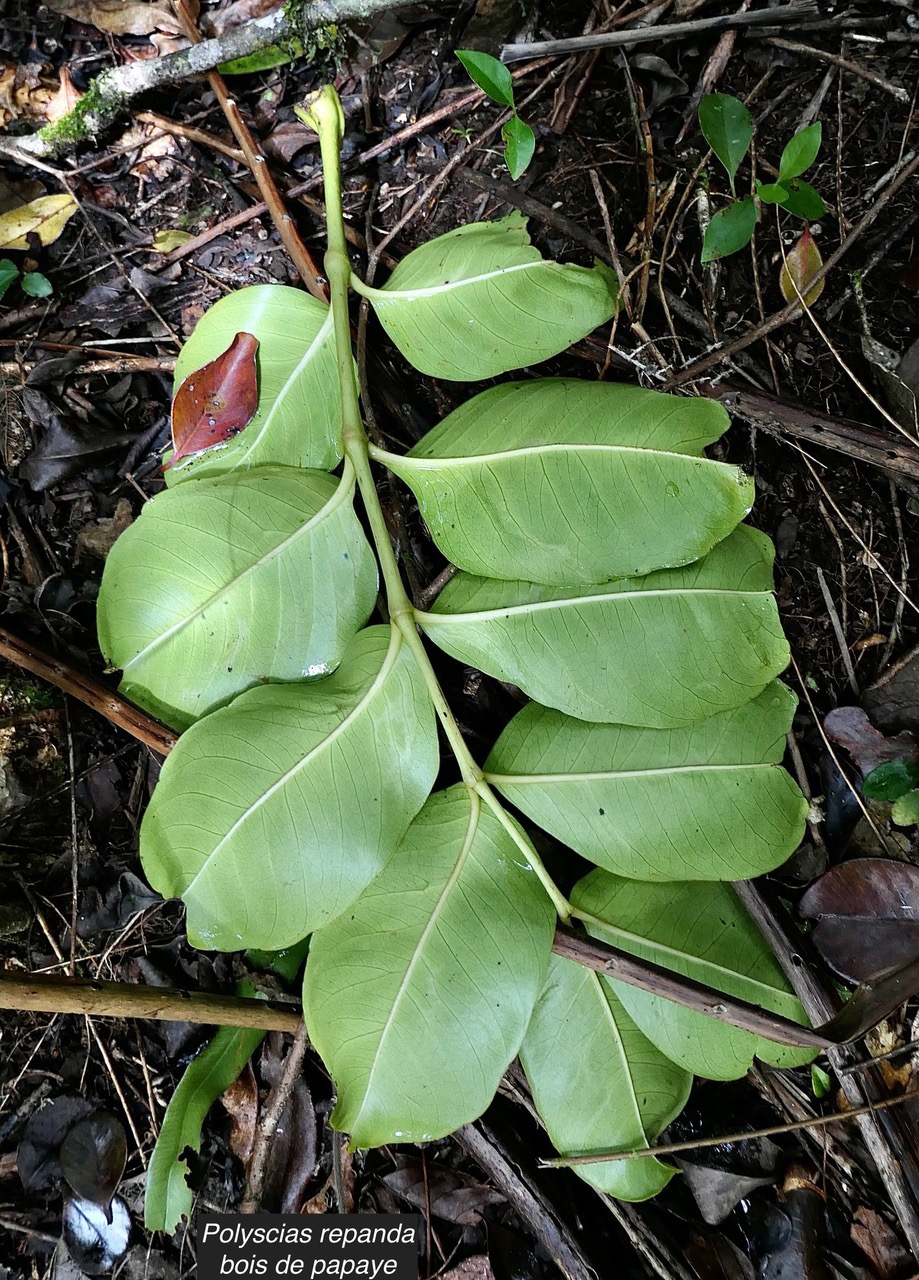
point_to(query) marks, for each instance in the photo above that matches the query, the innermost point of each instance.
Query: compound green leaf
(273, 814)
(661, 651)
(225, 583)
(418, 997)
(564, 482)
(700, 931)
(168, 1197)
(598, 1083)
(298, 420)
(481, 300)
(708, 802)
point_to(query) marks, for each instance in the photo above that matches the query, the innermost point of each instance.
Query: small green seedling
(896, 781)
(494, 79)
(728, 129)
(31, 282)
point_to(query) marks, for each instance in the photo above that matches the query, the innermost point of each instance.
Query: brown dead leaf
(866, 916)
(241, 1102)
(66, 98)
(476, 1268)
(98, 538)
(24, 93)
(868, 747)
(451, 1195)
(120, 17)
(877, 1241)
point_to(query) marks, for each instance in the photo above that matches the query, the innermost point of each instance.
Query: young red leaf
(215, 402)
(799, 268)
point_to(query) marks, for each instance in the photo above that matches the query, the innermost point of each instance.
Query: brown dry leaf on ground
(119, 17)
(23, 96)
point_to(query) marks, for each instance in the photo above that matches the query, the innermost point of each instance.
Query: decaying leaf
(215, 403)
(893, 700)
(66, 98)
(46, 217)
(451, 1195)
(240, 1101)
(851, 728)
(801, 264)
(120, 17)
(40, 1145)
(866, 916)
(93, 1157)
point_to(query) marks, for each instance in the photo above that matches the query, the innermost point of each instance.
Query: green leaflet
(168, 1196)
(660, 651)
(565, 482)
(272, 815)
(298, 421)
(700, 931)
(481, 300)
(707, 802)
(598, 1083)
(418, 997)
(222, 584)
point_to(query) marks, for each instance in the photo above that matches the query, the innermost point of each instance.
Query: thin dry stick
(838, 631)
(280, 1096)
(78, 684)
(39, 993)
(657, 34)
(779, 318)
(670, 1148)
(823, 55)
(290, 237)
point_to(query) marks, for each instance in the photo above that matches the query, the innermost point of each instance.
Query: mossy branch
(111, 93)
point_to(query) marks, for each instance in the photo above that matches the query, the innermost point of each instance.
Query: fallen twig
(695, 1144)
(823, 55)
(660, 32)
(45, 993)
(91, 692)
(112, 91)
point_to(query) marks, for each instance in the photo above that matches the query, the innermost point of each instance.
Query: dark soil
(81, 449)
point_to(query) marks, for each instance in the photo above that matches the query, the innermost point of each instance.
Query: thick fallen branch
(112, 91)
(45, 993)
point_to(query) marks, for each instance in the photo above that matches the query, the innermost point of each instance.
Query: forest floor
(823, 418)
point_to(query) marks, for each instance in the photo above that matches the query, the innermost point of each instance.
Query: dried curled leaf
(801, 264)
(46, 217)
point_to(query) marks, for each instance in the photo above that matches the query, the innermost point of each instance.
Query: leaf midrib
(475, 810)
(547, 779)
(384, 295)
(541, 606)
(326, 511)
(389, 661)
(397, 462)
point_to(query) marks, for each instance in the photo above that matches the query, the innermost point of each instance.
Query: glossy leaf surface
(708, 802)
(700, 931)
(169, 1198)
(298, 420)
(481, 300)
(565, 482)
(273, 814)
(729, 230)
(800, 152)
(215, 403)
(663, 651)
(800, 265)
(598, 1083)
(803, 201)
(727, 126)
(418, 997)
(491, 75)
(222, 584)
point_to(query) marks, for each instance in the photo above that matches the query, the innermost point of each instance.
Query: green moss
(94, 110)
